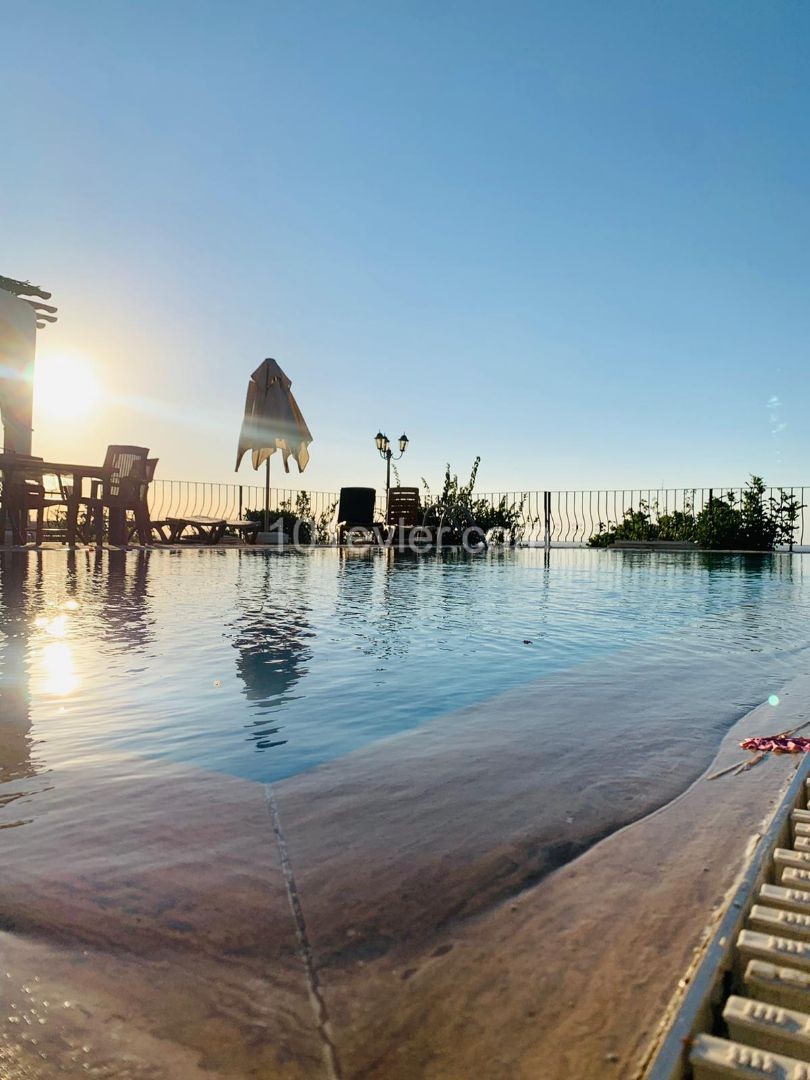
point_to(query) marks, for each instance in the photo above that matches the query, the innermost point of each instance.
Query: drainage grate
(746, 1013)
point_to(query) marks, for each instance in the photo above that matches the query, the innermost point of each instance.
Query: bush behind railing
(751, 520)
(299, 520)
(457, 511)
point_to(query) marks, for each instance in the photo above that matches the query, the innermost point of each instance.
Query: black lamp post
(384, 448)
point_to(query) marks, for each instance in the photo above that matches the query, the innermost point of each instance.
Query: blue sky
(569, 237)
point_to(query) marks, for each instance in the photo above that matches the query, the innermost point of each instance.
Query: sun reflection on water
(56, 626)
(58, 670)
(54, 665)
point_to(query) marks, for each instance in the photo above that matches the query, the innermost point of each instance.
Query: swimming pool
(254, 804)
(266, 665)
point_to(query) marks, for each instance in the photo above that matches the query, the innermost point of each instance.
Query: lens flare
(65, 387)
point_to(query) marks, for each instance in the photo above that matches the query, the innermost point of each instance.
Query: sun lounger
(204, 530)
(245, 529)
(356, 512)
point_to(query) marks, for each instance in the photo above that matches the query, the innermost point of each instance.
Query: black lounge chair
(356, 511)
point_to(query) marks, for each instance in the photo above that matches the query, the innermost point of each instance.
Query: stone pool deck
(395, 914)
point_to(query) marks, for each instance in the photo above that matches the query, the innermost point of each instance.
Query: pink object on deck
(781, 744)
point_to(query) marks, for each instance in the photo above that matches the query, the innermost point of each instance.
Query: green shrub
(749, 521)
(457, 510)
(635, 525)
(287, 516)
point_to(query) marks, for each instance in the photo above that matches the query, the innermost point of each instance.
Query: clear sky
(571, 237)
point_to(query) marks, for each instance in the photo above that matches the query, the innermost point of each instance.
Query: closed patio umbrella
(272, 422)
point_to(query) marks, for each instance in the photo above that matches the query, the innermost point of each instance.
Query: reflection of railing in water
(565, 517)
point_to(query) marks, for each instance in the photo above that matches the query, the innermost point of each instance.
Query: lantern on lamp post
(383, 445)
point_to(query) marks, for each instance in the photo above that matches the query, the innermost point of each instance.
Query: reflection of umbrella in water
(271, 664)
(273, 652)
(272, 422)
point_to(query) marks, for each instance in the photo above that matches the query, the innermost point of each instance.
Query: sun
(65, 387)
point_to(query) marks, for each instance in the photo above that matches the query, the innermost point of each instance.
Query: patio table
(19, 467)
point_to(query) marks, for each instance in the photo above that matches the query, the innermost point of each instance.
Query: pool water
(265, 665)
(298, 815)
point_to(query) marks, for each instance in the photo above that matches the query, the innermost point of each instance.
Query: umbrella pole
(267, 496)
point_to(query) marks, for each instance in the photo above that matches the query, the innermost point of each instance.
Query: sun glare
(59, 677)
(65, 387)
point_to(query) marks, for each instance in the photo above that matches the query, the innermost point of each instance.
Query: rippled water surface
(265, 665)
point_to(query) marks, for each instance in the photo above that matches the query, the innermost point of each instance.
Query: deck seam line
(316, 997)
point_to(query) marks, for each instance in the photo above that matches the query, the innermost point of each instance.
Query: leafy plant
(635, 525)
(679, 525)
(298, 520)
(460, 514)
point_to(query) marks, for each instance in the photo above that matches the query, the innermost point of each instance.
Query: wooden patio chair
(142, 519)
(404, 512)
(122, 489)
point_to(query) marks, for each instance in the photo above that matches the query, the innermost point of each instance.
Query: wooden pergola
(23, 311)
(33, 296)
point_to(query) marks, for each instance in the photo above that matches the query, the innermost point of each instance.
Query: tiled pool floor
(148, 932)
(162, 901)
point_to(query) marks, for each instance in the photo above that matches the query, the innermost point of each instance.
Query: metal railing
(190, 498)
(561, 517)
(573, 517)
(567, 517)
